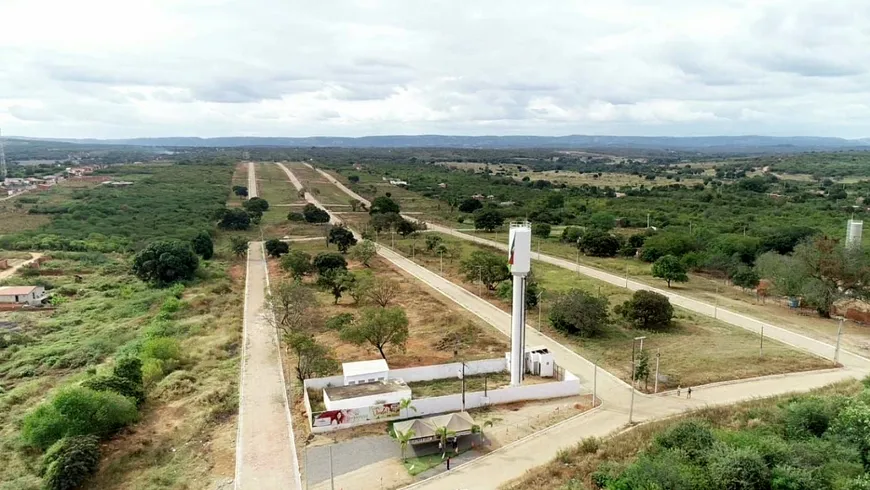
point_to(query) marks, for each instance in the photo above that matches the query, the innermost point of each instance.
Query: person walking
(689, 393)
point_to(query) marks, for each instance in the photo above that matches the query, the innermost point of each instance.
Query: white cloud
(102, 68)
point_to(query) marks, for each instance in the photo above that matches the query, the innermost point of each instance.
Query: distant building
(399, 183)
(365, 371)
(442, 185)
(22, 295)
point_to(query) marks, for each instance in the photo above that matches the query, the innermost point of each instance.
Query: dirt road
(12, 270)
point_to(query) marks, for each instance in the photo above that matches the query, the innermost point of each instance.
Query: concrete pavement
(252, 181)
(265, 449)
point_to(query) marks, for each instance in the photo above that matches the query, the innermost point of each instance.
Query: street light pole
(594, 383)
(441, 254)
(656, 388)
(480, 280)
(761, 344)
(631, 386)
(540, 302)
(839, 335)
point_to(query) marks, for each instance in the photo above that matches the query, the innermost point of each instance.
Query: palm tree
(477, 429)
(443, 433)
(404, 438)
(405, 404)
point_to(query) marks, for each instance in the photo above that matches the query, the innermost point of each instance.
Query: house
(22, 295)
(365, 371)
(442, 185)
(399, 183)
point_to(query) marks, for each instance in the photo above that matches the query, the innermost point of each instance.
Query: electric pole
(3, 170)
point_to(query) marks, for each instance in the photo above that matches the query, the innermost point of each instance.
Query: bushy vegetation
(165, 262)
(164, 202)
(69, 462)
(802, 442)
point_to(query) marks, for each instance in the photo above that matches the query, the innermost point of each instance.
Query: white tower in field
(520, 259)
(854, 230)
(2, 158)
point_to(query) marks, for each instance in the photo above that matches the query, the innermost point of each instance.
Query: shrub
(808, 417)
(297, 262)
(69, 462)
(256, 205)
(599, 244)
(164, 262)
(276, 248)
(313, 214)
(235, 219)
(663, 470)
(339, 321)
(738, 469)
(203, 245)
(152, 371)
(647, 309)
(117, 384)
(295, 216)
(692, 437)
(327, 261)
(578, 312)
(571, 234)
(77, 411)
(129, 368)
(541, 230)
(791, 478)
(164, 349)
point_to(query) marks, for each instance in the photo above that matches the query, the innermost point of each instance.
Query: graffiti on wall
(356, 415)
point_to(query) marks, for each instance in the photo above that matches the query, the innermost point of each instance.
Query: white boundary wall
(570, 386)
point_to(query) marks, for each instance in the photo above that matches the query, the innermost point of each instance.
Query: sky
(147, 68)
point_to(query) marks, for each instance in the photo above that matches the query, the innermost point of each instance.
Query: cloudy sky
(117, 68)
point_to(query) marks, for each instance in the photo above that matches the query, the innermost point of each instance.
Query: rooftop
(460, 423)
(364, 367)
(336, 393)
(16, 290)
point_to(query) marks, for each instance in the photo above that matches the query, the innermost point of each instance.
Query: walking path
(265, 451)
(513, 460)
(12, 270)
(252, 181)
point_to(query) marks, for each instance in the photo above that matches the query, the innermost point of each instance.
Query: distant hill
(702, 143)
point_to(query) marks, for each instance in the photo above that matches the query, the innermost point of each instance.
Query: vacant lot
(317, 185)
(694, 350)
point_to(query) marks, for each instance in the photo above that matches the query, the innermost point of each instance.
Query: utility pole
(594, 383)
(392, 238)
(540, 301)
(716, 305)
(761, 344)
(647, 220)
(441, 255)
(839, 335)
(463, 385)
(656, 388)
(331, 473)
(3, 171)
(479, 280)
(626, 275)
(630, 386)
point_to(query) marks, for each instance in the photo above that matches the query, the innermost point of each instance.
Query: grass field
(317, 185)
(14, 215)
(695, 350)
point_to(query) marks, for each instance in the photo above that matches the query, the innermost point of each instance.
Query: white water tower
(854, 230)
(520, 260)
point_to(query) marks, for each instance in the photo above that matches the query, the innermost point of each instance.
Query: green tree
(238, 245)
(785, 274)
(641, 368)
(325, 261)
(579, 313)
(541, 230)
(647, 310)
(276, 248)
(746, 277)
(119, 385)
(256, 205)
(406, 405)
(738, 469)
(670, 269)
(432, 242)
(297, 262)
(364, 252)
(361, 286)
(203, 245)
(295, 216)
(599, 244)
(235, 219)
(354, 204)
(485, 267)
(470, 205)
(313, 214)
(353, 179)
(571, 234)
(602, 221)
(831, 272)
(404, 438)
(342, 238)
(382, 204)
(488, 220)
(240, 191)
(385, 221)
(380, 327)
(69, 462)
(405, 228)
(336, 282)
(312, 358)
(667, 243)
(164, 262)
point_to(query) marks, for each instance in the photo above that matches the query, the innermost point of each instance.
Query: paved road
(252, 181)
(333, 219)
(348, 456)
(265, 452)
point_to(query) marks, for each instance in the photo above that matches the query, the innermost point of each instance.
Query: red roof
(16, 290)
